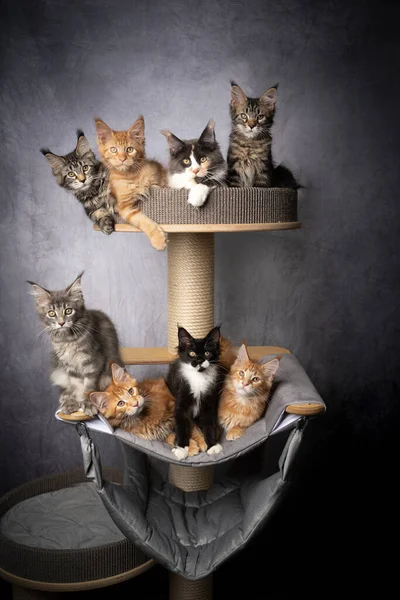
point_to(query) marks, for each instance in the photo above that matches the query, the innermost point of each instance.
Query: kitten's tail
(282, 177)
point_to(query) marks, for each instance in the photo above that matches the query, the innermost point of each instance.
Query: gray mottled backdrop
(328, 291)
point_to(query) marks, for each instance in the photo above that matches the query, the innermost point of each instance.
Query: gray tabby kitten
(249, 152)
(196, 165)
(86, 177)
(85, 343)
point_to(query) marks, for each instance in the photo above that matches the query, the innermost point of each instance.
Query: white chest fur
(199, 383)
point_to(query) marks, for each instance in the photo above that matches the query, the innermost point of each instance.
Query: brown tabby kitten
(145, 409)
(245, 393)
(131, 175)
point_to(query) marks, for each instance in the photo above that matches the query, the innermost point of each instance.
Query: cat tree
(191, 298)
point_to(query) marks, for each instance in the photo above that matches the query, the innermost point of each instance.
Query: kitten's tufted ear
(82, 145)
(136, 131)
(270, 368)
(75, 289)
(119, 375)
(208, 134)
(56, 162)
(42, 296)
(185, 340)
(175, 145)
(269, 97)
(100, 400)
(238, 97)
(214, 336)
(242, 355)
(104, 132)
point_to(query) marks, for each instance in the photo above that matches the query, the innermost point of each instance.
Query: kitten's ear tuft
(269, 97)
(41, 294)
(208, 134)
(214, 336)
(185, 340)
(119, 375)
(270, 368)
(104, 132)
(175, 145)
(56, 162)
(82, 145)
(238, 97)
(100, 400)
(243, 355)
(136, 131)
(75, 289)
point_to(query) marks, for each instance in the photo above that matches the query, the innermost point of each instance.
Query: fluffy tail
(284, 178)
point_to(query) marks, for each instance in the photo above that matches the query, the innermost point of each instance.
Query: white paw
(198, 195)
(215, 449)
(181, 453)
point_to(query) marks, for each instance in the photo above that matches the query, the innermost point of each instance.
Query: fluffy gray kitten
(86, 177)
(84, 344)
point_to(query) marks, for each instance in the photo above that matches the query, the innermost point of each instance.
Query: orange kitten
(245, 394)
(131, 175)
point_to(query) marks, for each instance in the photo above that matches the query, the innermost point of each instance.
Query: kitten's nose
(61, 323)
(196, 170)
(252, 124)
(81, 177)
(122, 159)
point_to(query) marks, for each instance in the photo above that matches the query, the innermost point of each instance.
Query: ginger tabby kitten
(131, 175)
(145, 409)
(245, 394)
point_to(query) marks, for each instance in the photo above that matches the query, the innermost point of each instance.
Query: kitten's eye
(71, 174)
(51, 313)
(85, 169)
(203, 159)
(260, 118)
(113, 149)
(241, 373)
(187, 161)
(244, 116)
(255, 379)
(121, 403)
(192, 353)
(68, 311)
(129, 149)
(207, 353)
(130, 391)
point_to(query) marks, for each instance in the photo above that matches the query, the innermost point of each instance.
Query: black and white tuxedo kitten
(84, 344)
(195, 379)
(196, 165)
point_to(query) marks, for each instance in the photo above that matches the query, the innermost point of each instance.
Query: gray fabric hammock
(192, 533)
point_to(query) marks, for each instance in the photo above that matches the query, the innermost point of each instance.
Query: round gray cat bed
(224, 205)
(56, 535)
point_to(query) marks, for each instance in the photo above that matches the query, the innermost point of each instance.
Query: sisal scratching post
(190, 305)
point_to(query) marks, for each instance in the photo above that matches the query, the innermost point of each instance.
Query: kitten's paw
(193, 448)
(216, 449)
(159, 240)
(107, 225)
(181, 453)
(88, 408)
(235, 433)
(198, 195)
(68, 405)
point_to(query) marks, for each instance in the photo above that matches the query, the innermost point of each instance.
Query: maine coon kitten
(195, 379)
(86, 177)
(245, 393)
(83, 342)
(132, 175)
(196, 165)
(144, 408)
(249, 152)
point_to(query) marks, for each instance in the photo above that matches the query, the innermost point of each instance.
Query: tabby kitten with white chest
(249, 152)
(80, 173)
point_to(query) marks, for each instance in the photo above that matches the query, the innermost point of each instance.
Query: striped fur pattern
(80, 173)
(245, 393)
(84, 342)
(249, 152)
(132, 175)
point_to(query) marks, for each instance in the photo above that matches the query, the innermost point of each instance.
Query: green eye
(129, 149)
(206, 353)
(68, 311)
(51, 313)
(121, 403)
(85, 169)
(192, 353)
(187, 161)
(71, 174)
(203, 159)
(260, 118)
(113, 149)
(244, 116)
(130, 391)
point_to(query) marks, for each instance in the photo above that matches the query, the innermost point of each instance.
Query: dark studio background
(329, 291)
